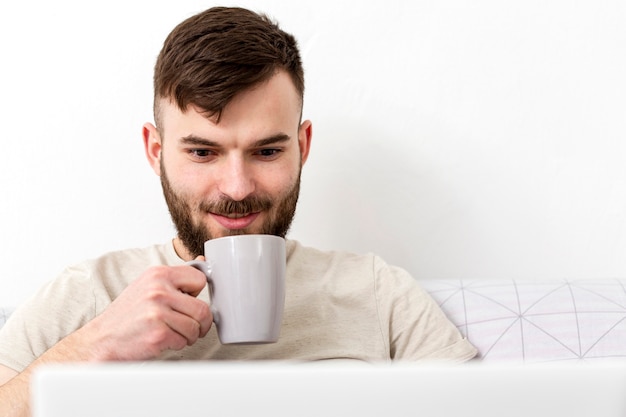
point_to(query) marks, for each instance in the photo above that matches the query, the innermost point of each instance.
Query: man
(229, 144)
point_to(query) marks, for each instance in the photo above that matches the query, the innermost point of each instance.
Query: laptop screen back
(191, 389)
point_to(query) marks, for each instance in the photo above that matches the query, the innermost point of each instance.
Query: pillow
(4, 315)
(537, 321)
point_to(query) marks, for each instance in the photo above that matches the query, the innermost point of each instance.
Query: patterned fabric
(4, 315)
(537, 321)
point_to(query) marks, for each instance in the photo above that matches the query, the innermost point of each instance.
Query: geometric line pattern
(4, 315)
(537, 321)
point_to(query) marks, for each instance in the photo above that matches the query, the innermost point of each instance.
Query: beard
(193, 233)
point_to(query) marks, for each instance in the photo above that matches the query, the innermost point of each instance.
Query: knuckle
(159, 337)
(155, 271)
(154, 317)
(178, 343)
(202, 310)
(157, 295)
(194, 332)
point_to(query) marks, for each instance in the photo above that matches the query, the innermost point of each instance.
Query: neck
(181, 250)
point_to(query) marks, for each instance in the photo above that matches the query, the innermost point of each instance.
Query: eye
(269, 153)
(201, 154)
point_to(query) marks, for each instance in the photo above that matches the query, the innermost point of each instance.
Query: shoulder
(133, 258)
(368, 269)
(304, 258)
(103, 277)
(116, 269)
(69, 301)
(90, 285)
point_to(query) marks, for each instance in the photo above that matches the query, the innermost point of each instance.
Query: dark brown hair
(210, 57)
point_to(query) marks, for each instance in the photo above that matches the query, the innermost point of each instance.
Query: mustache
(226, 206)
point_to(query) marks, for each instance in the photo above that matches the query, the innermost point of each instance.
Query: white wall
(456, 138)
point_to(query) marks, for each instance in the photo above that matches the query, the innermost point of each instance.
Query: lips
(235, 221)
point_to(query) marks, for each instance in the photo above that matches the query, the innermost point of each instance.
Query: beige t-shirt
(338, 305)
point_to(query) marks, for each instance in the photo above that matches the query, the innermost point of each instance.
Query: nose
(236, 179)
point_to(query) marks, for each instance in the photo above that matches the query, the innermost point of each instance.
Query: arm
(6, 374)
(13, 393)
(418, 328)
(156, 312)
(15, 387)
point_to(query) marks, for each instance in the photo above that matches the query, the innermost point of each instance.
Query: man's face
(240, 175)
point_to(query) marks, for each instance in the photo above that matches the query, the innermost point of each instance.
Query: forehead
(273, 104)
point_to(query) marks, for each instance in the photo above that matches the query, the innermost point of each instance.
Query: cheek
(185, 178)
(281, 180)
(188, 185)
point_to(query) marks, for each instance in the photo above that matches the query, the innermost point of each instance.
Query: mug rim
(250, 235)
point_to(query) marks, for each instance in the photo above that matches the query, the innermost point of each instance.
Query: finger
(157, 334)
(185, 326)
(188, 279)
(195, 309)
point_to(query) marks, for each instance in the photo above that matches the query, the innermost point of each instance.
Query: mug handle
(205, 268)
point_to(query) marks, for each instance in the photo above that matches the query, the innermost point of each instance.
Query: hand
(156, 312)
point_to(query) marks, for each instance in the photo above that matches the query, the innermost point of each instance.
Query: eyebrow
(199, 141)
(272, 140)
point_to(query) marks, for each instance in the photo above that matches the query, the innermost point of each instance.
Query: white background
(458, 139)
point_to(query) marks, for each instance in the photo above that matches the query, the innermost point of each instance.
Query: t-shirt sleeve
(418, 328)
(54, 312)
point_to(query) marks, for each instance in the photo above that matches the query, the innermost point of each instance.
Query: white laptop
(191, 389)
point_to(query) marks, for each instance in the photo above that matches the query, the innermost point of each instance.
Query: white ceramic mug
(246, 276)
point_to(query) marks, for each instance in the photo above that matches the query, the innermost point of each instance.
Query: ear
(152, 146)
(305, 134)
